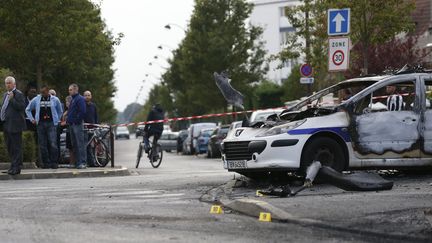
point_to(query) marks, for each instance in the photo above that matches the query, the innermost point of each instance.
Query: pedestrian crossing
(91, 193)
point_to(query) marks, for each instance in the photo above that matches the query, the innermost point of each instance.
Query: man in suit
(14, 123)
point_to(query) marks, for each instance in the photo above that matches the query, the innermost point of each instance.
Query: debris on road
(359, 181)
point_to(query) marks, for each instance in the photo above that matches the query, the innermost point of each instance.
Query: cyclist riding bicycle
(153, 129)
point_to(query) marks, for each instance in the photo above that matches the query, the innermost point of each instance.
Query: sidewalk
(27, 174)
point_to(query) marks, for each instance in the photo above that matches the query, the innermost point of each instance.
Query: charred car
(373, 122)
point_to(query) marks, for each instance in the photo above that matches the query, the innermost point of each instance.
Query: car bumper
(281, 152)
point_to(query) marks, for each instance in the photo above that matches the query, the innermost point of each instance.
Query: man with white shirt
(13, 121)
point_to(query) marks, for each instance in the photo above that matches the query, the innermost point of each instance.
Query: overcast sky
(142, 22)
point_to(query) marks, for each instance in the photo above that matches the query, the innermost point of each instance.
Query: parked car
(213, 147)
(139, 131)
(122, 132)
(194, 131)
(235, 125)
(369, 128)
(187, 144)
(168, 141)
(203, 139)
(183, 134)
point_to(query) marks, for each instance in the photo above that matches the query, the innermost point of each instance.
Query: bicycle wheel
(101, 154)
(156, 160)
(139, 155)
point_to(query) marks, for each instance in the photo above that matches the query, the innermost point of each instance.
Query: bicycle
(99, 150)
(155, 160)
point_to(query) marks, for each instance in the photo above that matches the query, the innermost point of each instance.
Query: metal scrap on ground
(359, 181)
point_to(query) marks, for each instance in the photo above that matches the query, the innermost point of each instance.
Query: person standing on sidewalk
(75, 120)
(14, 123)
(48, 113)
(91, 117)
(64, 125)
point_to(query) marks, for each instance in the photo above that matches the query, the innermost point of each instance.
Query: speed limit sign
(338, 54)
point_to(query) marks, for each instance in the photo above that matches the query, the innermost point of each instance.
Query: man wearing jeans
(75, 120)
(47, 118)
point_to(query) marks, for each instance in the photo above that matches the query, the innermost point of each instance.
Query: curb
(66, 173)
(252, 207)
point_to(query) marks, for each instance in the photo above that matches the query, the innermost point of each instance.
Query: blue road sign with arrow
(338, 21)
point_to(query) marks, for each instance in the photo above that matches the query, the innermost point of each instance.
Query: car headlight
(282, 128)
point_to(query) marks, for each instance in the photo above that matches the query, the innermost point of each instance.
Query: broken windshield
(334, 95)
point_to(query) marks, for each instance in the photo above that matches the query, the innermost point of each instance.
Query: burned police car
(376, 122)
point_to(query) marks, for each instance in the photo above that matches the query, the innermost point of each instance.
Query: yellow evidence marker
(265, 217)
(216, 209)
(259, 194)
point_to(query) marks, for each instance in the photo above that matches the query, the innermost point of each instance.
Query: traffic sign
(338, 21)
(338, 54)
(307, 80)
(306, 70)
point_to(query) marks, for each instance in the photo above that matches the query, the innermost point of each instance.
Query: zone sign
(338, 54)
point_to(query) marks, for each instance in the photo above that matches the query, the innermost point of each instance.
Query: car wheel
(325, 150)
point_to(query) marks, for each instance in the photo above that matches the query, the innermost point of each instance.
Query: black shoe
(54, 166)
(14, 172)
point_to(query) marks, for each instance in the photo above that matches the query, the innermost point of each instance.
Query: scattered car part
(359, 181)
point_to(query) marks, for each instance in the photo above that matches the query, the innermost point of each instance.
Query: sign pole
(307, 35)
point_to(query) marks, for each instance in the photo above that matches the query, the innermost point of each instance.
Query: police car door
(385, 131)
(427, 120)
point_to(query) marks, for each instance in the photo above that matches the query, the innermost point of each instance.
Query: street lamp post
(168, 27)
(151, 64)
(162, 46)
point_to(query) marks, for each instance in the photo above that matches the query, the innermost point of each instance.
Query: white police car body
(360, 132)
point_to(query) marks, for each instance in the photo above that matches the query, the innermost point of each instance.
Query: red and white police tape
(184, 118)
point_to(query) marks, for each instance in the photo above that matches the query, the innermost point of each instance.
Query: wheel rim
(325, 156)
(100, 155)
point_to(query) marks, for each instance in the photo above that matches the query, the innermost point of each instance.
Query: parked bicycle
(154, 155)
(99, 149)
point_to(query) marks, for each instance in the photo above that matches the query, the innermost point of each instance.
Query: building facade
(270, 15)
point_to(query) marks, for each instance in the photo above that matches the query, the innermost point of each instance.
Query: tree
(59, 42)
(377, 22)
(292, 88)
(268, 95)
(129, 113)
(217, 40)
(391, 55)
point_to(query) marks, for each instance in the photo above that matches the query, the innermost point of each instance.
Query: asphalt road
(152, 205)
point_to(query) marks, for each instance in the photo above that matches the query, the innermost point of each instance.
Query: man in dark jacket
(154, 129)
(91, 117)
(75, 120)
(14, 123)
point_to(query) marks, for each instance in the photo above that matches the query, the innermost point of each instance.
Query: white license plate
(237, 164)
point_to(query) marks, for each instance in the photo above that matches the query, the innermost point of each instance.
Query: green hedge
(29, 148)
